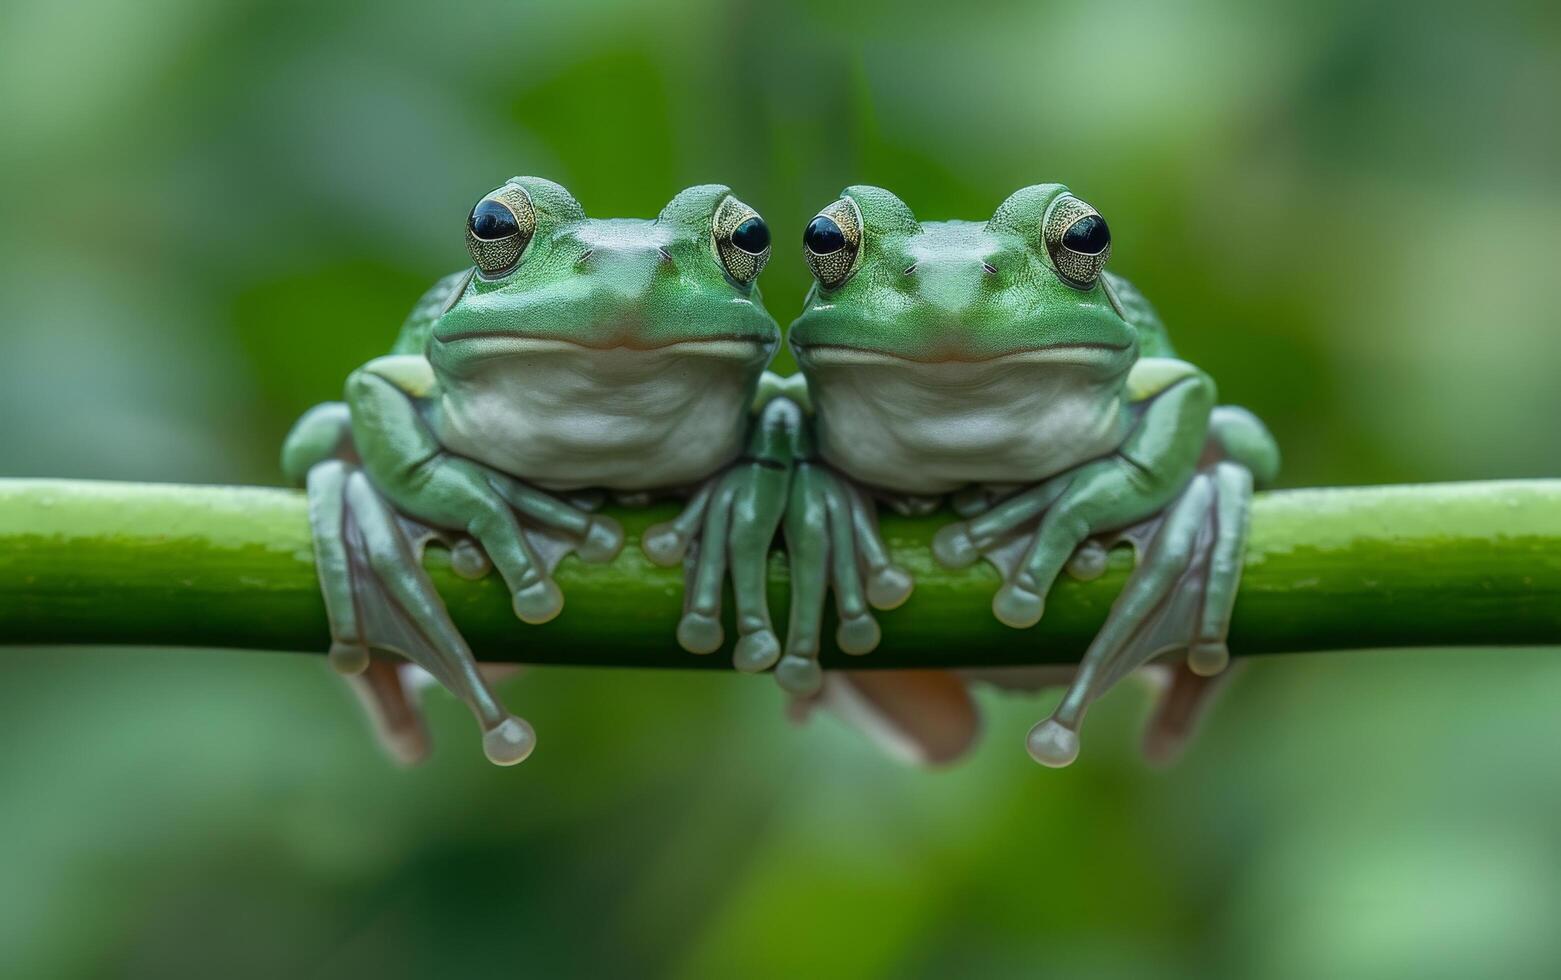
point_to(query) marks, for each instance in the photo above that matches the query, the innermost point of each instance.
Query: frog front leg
(380, 489)
(1179, 597)
(1178, 489)
(726, 531)
(833, 545)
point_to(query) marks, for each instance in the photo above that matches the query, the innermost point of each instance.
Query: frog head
(944, 353)
(547, 278)
(1025, 284)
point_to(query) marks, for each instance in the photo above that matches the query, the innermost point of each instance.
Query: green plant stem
(202, 566)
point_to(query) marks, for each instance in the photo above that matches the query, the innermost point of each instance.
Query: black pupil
(823, 236)
(1087, 236)
(752, 236)
(492, 221)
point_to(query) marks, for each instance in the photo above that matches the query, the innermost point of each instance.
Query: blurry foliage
(1348, 212)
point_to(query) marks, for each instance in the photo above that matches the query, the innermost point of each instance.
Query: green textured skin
(958, 356)
(943, 312)
(1459, 564)
(578, 355)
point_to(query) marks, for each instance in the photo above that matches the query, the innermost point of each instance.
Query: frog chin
(565, 416)
(931, 427)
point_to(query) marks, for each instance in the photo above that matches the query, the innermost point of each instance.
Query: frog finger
(699, 631)
(426, 634)
(1208, 654)
(807, 545)
(857, 631)
(327, 519)
(535, 597)
(666, 543)
(1089, 560)
(971, 501)
(599, 538)
(888, 585)
(959, 544)
(757, 510)
(1098, 495)
(1117, 648)
(775, 441)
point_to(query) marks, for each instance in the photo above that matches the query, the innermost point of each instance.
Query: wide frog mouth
(469, 353)
(582, 317)
(1089, 354)
(1088, 335)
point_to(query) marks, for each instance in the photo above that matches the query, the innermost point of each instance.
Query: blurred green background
(1349, 212)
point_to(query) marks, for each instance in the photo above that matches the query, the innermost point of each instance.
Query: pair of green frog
(994, 364)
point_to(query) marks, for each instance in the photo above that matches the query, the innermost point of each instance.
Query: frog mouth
(831, 355)
(489, 344)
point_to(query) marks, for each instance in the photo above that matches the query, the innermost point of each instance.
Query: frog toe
(1053, 744)
(889, 587)
(799, 675)
(1207, 658)
(539, 602)
(756, 652)
(1017, 607)
(509, 742)
(700, 633)
(1089, 561)
(348, 659)
(954, 547)
(468, 560)
(602, 541)
(664, 544)
(858, 635)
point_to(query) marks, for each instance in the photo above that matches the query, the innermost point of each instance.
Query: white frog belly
(933, 428)
(565, 417)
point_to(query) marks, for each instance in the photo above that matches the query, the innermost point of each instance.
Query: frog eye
(742, 239)
(499, 229)
(1077, 239)
(832, 242)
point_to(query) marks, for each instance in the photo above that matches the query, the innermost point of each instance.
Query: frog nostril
(989, 268)
(909, 270)
(585, 256)
(666, 256)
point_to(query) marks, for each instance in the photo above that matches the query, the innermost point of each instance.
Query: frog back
(413, 338)
(1153, 340)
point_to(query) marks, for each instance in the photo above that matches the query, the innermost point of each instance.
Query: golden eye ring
(832, 243)
(499, 228)
(1078, 240)
(742, 240)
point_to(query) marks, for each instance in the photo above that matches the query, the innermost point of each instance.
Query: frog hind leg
(380, 602)
(390, 699)
(919, 717)
(1179, 597)
(1184, 698)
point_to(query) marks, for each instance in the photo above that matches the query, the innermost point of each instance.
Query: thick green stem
(171, 565)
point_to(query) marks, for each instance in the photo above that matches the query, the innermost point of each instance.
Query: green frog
(577, 358)
(998, 365)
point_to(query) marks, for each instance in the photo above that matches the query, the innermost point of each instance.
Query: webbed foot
(383, 608)
(1179, 597)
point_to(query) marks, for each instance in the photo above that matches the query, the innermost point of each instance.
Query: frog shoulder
(413, 337)
(1153, 339)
